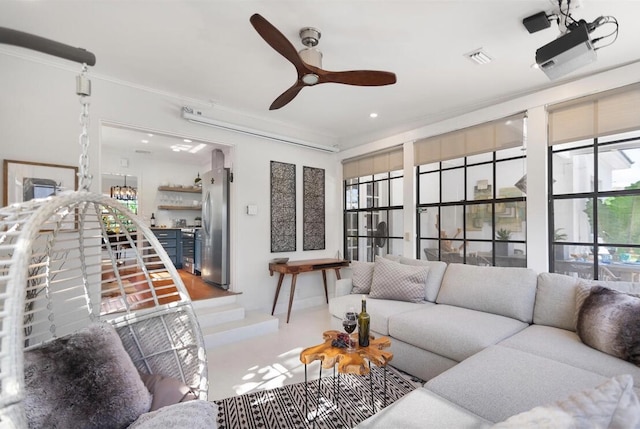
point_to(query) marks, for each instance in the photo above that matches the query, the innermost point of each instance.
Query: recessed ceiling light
(186, 140)
(150, 135)
(373, 115)
(197, 148)
(144, 141)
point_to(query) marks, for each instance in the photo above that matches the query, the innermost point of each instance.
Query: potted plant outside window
(502, 247)
(558, 250)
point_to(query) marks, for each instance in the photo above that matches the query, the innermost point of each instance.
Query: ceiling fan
(308, 62)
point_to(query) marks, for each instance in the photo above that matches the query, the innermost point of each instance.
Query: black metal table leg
(306, 393)
(318, 396)
(336, 387)
(385, 385)
(373, 405)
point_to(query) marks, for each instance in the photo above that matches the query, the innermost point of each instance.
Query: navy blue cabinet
(171, 241)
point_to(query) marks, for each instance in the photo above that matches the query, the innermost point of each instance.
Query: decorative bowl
(280, 260)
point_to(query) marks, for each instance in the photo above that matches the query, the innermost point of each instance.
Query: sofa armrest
(343, 287)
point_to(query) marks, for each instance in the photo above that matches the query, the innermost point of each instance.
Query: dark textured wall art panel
(313, 210)
(283, 207)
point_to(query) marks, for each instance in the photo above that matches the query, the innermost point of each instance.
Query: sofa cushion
(424, 409)
(379, 309)
(166, 390)
(556, 298)
(499, 382)
(392, 280)
(504, 291)
(453, 332)
(565, 346)
(613, 405)
(361, 276)
(609, 321)
(555, 301)
(188, 415)
(434, 280)
(86, 380)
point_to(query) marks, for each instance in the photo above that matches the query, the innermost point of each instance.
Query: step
(219, 314)
(254, 324)
(213, 302)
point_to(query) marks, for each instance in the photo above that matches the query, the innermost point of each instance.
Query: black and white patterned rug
(284, 407)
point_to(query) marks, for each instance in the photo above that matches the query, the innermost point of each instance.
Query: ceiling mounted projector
(575, 47)
(567, 53)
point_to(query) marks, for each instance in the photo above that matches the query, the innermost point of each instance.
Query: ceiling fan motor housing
(310, 36)
(311, 56)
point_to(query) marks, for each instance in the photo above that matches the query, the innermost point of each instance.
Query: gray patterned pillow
(400, 282)
(362, 274)
(609, 321)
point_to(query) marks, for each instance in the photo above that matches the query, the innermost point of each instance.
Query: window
(373, 216)
(373, 205)
(471, 195)
(595, 208)
(472, 210)
(594, 186)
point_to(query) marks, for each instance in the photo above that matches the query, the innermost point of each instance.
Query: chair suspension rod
(47, 46)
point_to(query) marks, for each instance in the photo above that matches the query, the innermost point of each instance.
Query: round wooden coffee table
(356, 362)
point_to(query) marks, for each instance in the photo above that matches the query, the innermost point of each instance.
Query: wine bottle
(363, 325)
(153, 219)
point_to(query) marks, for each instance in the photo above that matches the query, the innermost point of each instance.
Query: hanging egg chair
(76, 259)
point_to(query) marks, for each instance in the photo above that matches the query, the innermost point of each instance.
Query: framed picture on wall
(25, 180)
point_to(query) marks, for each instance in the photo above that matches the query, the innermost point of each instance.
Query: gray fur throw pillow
(609, 321)
(84, 380)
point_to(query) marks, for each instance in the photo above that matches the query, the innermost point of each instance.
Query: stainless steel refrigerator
(215, 223)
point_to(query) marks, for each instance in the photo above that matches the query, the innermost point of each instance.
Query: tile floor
(269, 361)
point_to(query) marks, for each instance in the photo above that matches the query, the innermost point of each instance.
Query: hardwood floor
(199, 289)
(137, 294)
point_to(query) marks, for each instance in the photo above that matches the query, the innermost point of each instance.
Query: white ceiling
(208, 53)
(153, 146)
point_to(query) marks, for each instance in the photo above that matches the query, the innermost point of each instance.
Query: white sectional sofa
(491, 343)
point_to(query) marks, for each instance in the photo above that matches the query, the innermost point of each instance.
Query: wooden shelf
(180, 208)
(191, 190)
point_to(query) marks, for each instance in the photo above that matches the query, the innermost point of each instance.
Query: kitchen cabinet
(173, 198)
(171, 241)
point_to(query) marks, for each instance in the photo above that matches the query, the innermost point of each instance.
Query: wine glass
(349, 324)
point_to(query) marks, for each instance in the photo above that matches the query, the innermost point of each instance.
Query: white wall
(39, 113)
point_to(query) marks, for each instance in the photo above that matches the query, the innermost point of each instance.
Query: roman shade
(373, 163)
(597, 115)
(487, 137)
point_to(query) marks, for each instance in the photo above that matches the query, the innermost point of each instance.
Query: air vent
(479, 56)
(143, 151)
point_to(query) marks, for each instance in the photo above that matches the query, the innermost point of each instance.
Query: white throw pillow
(612, 405)
(361, 276)
(400, 282)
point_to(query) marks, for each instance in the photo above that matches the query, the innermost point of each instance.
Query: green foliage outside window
(618, 218)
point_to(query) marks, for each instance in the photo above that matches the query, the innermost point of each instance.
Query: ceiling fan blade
(358, 77)
(287, 96)
(277, 41)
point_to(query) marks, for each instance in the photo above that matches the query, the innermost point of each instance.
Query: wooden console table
(304, 266)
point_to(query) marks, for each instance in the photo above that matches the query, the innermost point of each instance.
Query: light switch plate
(252, 209)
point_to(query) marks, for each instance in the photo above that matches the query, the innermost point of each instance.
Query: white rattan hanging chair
(62, 268)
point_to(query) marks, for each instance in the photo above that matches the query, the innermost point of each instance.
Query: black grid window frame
(464, 203)
(376, 182)
(595, 145)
